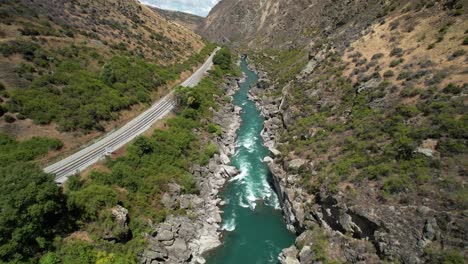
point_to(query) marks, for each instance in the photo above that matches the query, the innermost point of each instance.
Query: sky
(197, 7)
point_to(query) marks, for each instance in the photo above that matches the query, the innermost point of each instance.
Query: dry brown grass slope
(90, 32)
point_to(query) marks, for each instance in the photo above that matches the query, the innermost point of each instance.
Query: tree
(31, 208)
(223, 59)
(91, 199)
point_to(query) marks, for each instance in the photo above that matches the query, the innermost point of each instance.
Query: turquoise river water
(254, 229)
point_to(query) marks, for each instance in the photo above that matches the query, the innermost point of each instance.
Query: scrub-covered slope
(75, 64)
(185, 19)
(366, 117)
(283, 23)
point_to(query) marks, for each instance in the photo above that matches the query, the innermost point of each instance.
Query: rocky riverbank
(302, 211)
(185, 238)
(354, 230)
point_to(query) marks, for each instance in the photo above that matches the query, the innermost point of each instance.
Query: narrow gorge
(252, 221)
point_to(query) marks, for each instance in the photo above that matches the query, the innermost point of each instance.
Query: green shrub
(77, 252)
(447, 256)
(452, 89)
(456, 54)
(377, 56)
(214, 129)
(408, 111)
(27, 49)
(91, 200)
(438, 78)
(404, 75)
(465, 41)
(450, 146)
(375, 172)
(210, 150)
(396, 62)
(389, 74)
(396, 52)
(223, 59)
(395, 184)
(9, 119)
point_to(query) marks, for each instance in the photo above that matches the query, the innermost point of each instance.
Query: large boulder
(119, 230)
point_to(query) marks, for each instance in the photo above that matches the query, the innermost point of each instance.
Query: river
(254, 229)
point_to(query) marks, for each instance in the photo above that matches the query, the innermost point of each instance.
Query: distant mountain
(188, 20)
(282, 23)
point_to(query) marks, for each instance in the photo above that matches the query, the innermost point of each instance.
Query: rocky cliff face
(367, 126)
(258, 24)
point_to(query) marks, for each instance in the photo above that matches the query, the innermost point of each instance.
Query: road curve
(116, 139)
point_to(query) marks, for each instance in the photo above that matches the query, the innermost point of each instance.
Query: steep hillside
(188, 20)
(85, 66)
(285, 23)
(366, 113)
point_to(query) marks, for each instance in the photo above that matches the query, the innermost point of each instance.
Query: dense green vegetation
(79, 99)
(136, 181)
(12, 151)
(32, 204)
(37, 214)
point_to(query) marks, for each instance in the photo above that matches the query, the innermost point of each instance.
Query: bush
(27, 49)
(28, 150)
(395, 63)
(408, 111)
(389, 74)
(2, 110)
(465, 41)
(447, 256)
(214, 129)
(223, 59)
(452, 89)
(457, 54)
(91, 200)
(396, 52)
(396, 184)
(449, 147)
(404, 75)
(394, 25)
(438, 78)
(425, 64)
(9, 119)
(377, 56)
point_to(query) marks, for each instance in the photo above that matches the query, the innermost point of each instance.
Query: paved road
(114, 140)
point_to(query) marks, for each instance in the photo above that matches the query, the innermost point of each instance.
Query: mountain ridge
(188, 20)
